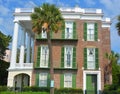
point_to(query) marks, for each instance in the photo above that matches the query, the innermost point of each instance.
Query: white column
(22, 49)
(28, 49)
(14, 45)
(32, 57)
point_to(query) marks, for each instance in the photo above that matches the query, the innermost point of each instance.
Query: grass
(23, 92)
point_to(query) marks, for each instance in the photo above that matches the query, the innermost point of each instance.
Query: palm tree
(47, 18)
(113, 58)
(118, 25)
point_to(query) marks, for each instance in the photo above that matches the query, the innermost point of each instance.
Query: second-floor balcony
(24, 66)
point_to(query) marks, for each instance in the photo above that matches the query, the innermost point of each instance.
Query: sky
(111, 9)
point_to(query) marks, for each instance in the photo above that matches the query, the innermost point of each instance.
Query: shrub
(3, 88)
(68, 91)
(36, 89)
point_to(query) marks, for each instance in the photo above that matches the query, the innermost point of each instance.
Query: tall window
(43, 80)
(68, 80)
(44, 56)
(44, 34)
(91, 58)
(68, 30)
(90, 31)
(68, 56)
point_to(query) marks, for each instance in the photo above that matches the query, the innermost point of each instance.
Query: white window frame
(43, 57)
(66, 56)
(68, 25)
(43, 34)
(43, 79)
(90, 31)
(68, 80)
(90, 58)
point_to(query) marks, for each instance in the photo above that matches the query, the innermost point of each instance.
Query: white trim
(98, 73)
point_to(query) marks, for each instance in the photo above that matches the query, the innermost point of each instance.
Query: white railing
(63, 9)
(24, 65)
(90, 10)
(24, 10)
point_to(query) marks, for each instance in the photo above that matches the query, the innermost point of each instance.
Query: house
(7, 55)
(78, 51)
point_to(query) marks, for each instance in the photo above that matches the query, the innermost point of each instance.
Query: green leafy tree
(4, 43)
(3, 72)
(47, 18)
(113, 67)
(118, 25)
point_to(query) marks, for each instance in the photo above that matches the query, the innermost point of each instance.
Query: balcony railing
(63, 9)
(61, 37)
(24, 65)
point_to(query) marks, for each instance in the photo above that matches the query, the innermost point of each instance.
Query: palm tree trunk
(51, 62)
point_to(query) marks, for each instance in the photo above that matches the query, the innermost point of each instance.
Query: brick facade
(103, 44)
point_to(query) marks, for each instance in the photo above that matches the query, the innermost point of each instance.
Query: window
(69, 30)
(68, 56)
(68, 80)
(44, 34)
(43, 80)
(90, 31)
(90, 58)
(44, 56)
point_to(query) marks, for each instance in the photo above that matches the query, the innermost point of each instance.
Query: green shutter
(85, 58)
(73, 80)
(85, 31)
(63, 30)
(74, 58)
(37, 79)
(38, 36)
(96, 31)
(62, 57)
(96, 58)
(48, 80)
(62, 81)
(51, 34)
(38, 57)
(74, 30)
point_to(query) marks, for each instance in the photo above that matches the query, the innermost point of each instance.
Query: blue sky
(111, 8)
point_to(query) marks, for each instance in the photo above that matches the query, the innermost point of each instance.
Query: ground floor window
(68, 80)
(43, 80)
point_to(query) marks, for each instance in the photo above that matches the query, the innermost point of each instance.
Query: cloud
(1, 21)
(112, 6)
(4, 10)
(90, 2)
(30, 4)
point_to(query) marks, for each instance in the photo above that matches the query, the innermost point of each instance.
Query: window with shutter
(85, 31)
(96, 58)
(74, 30)
(63, 30)
(44, 56)
(37, 79)
(96, 31)
(90, 31)
(62, 81)
(62, 57)
(43, 79)
(85, 58)
(74, 58)
(90, 58)
(68, 80)
(38, 57)
(68, 56)
(43, 34)
(73, 80)
(68, 30)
